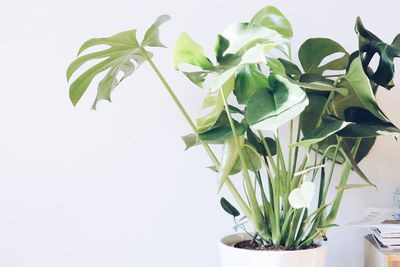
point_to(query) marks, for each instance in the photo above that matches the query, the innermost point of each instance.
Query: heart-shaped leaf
(269, 108)
(369, 45)
(302, 197)
(313, 51)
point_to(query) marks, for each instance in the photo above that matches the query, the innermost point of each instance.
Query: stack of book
(387, 238)
(384, 228)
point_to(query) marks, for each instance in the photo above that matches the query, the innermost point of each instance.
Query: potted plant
(255, 95)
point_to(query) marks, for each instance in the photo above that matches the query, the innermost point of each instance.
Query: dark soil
(251, 245)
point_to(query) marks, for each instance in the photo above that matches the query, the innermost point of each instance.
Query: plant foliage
(255, 93)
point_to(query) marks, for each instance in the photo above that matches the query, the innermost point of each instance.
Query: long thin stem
(290, 148)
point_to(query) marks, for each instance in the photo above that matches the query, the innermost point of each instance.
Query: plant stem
(296, 150)
(343, 181)
(332, 169)
(245, 208)
(258, 218)
(290, 148)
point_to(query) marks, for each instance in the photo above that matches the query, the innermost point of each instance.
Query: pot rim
(227, 241)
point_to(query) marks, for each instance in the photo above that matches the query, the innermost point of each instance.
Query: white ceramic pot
(236, 257)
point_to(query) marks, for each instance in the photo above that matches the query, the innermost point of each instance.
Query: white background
(114, 187)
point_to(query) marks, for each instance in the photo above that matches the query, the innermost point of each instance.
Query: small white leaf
(301, 197)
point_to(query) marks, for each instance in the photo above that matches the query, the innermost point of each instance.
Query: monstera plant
(255, 94)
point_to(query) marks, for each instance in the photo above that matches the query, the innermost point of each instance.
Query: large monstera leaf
(370, 45)
(313, 51)
(121, 57)
(273, 106)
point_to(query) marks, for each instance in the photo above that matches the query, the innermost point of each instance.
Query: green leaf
(244, 36)
(368, 131)
(252, 158)
(255, 141)
(276, 66)
(230, 154)
(188, 52)
(152, 35)
(310, 117)
(315, 78)
(314, 50)
(356, 80)
(221, 133)
(269, 108)
(220, 47)
(272, 18)
(364, 148)
(350, 186)
(329, 127)
(366, 125)
(313, 112)
(122, 54)
(233, 109)
(354, 165)
(197, 77)
(369, 45)
(291, 69)
(229, 208)
(248, 43)
(190, 140)
(248, 80)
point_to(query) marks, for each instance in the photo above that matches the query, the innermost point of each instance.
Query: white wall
(114, 187)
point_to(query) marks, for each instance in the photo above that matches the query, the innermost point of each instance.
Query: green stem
(258, 219)
(296, 150)
(290, 148)
(343, 181)
(332, 168)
